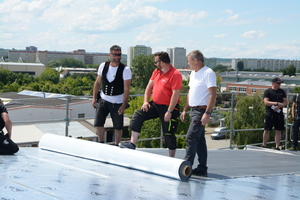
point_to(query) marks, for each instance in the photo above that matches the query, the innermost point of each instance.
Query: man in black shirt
(7, 146)
(274, 99)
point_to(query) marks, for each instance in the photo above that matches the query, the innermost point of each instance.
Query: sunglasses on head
(116, 54)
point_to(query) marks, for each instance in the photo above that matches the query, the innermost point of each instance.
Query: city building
(178, 57)
(136, 51)
(31, 55)
(34, 69)
(230, 77)
(268, 64)
(258, 86)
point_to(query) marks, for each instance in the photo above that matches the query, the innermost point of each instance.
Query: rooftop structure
(252, 173)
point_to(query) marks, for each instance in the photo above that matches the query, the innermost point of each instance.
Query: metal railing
(67, 119)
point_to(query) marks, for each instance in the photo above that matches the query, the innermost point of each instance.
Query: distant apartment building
(32, 55)
(270, 64)
(212, 62)
(31, 48)
(136, 51)
(178, 57)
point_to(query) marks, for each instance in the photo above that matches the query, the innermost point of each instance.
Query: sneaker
(263, 146)
(292, 149)
(127, 145)
(199, 172)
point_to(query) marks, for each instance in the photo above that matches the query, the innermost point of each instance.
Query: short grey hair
(197, 54)
(115, 48)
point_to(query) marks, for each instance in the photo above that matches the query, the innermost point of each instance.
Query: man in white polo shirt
(201, 99)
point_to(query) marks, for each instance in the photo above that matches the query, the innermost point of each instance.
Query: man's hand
(167, 116)
(205, 118)
(145, 107)
(94, 103)
(121, 109)
(182, 116)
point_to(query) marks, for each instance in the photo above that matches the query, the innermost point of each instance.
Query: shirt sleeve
(100, 69)
(177, 82)
(127, 74)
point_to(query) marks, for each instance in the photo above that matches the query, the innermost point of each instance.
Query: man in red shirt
(164, 85)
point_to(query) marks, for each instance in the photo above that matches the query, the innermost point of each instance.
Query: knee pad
(170, 141)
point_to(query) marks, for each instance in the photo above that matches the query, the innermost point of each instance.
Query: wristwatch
(207, 112)
(169, 111)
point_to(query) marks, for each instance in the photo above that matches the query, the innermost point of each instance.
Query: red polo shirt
(163, 84)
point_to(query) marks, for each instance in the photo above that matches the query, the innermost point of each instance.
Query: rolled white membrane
(153, 163)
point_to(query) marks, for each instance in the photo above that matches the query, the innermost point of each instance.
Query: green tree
(53, 64)
(290, 70)
(220, 68)
(142, 68)
(296, 90)
(66, 62)
(249, 114)
(240, 66)
(71, 62)
(49, 75)
(7, 77)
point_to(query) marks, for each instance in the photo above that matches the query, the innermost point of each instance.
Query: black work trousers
(7, 146)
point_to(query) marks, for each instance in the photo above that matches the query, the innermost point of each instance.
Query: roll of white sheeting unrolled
(153, 163)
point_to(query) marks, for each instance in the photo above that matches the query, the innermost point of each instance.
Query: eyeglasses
(116, 54)
(157, 61)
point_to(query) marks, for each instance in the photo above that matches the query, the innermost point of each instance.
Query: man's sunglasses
(156, 62)
(116, 54)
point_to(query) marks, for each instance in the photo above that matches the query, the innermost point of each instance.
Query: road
(215, 144)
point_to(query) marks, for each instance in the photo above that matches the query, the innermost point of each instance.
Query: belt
(199, 107)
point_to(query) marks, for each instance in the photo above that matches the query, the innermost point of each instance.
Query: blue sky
(225, 29)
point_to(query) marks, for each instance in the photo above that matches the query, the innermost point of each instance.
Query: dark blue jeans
(195, 140)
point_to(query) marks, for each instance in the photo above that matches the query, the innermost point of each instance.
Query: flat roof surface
(252, 173)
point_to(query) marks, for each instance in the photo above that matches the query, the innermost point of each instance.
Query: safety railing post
(67, 119)
(231, 119)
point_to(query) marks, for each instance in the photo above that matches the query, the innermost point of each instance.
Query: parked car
(219, 133)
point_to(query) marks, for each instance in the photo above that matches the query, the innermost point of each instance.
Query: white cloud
(254, 34)
(220, 35)
(234, 17)
(241, 46)
(296, 43)
(228, 11)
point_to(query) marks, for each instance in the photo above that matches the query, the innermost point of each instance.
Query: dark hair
(115, 48)
(196, 54)
(163, 56)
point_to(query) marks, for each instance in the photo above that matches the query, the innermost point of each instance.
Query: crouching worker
(7, 146)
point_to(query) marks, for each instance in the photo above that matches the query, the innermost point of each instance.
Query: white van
(218, 133)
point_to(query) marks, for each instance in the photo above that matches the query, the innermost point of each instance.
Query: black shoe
(127, 145)
(199, 172)
(277, 148)
(263, 146)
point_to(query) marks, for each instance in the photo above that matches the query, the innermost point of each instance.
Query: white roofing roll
(153, 163)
